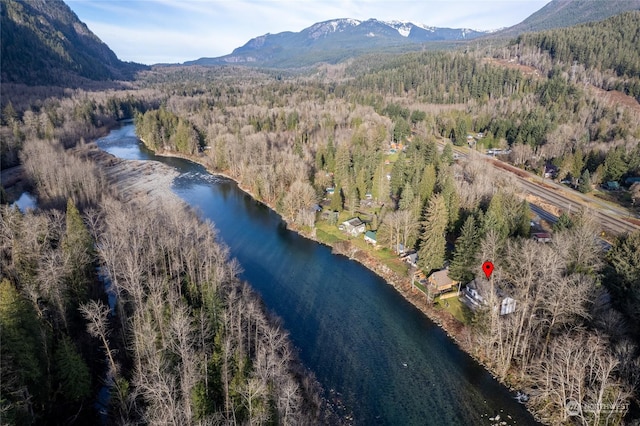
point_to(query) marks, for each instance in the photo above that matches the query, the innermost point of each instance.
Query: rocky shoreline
(136, 179)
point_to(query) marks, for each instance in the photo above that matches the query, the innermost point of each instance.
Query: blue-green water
(388, 363)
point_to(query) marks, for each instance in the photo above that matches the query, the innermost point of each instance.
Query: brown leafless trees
(190, 326)
(547, 340)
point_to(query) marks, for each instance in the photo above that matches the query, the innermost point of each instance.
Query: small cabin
(474, 298)
(370, 237)
(440, 281)
(542, 237)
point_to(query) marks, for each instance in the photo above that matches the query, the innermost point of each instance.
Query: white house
(354, 226)
(474, 296)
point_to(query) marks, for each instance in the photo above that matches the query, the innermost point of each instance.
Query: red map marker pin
(487, 267)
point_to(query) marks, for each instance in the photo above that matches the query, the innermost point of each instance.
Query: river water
(385, 361)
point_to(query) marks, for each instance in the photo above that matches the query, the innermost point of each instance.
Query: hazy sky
(157, 31)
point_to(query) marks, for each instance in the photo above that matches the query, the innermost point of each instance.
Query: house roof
(370, 234)
(542, 235)
(353, 222)
(441, 278)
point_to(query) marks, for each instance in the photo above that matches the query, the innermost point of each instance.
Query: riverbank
(457, 331)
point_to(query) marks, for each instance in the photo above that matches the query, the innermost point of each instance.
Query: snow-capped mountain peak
(327, 27)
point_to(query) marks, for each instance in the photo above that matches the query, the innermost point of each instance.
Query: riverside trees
(186, 342)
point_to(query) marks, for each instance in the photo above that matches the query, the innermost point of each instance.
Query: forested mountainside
(604, 53)
(565, 13)
(44, 43)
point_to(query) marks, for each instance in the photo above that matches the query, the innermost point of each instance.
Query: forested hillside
(604, 53)
(44, 43)
(565, 13)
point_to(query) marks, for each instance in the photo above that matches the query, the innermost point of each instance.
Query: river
(385, 361)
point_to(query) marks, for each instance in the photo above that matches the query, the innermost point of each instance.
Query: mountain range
(334, 40)
(338, 39)
(44, 42)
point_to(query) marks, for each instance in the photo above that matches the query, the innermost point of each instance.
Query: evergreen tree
(564, 222)
(460, 131)
(624, 275)
(523, 220)
(577, 163)
(494, 219)
(72, 372)
(380, 185)
(433, 243)
(77, 246)
(407, 197)
(464, 255)
(21, 356)
(614, 165)
(398, 175)
(401, 130)
(585, 182)
(337, 199)
(330, 156)
(447, 154)
(430, 153)
(343, 165)
(447, 188)
(362, 182)
(427, 183)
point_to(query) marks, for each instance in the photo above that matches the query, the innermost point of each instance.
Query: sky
(175, 31)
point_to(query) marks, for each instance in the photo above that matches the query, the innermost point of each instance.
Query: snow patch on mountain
(403, 27)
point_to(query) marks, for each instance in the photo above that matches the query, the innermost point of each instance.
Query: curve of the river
(387, 362)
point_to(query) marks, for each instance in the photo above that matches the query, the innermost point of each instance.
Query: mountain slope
(566, 13)
(44, 43)
(334, 40)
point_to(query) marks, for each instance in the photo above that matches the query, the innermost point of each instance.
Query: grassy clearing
(326, 237)
(330, 234)
(456, 308)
